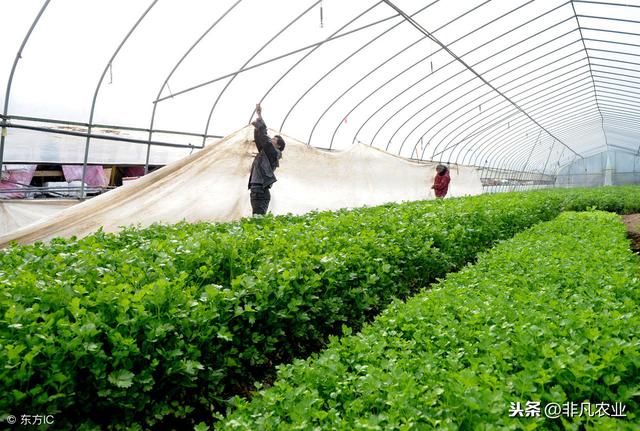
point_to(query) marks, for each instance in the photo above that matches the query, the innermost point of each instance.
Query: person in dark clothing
(441, 182)
(265, 163)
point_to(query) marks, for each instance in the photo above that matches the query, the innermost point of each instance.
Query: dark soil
(632, 221)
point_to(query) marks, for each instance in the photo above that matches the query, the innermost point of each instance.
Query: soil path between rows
(632, 221)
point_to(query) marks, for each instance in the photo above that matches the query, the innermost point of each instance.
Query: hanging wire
(321, 16)
(110, 73)
(431, 54)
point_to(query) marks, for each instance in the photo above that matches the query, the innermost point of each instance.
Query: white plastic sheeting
(212, 185)
(553, 81)
(15, 214)
(28, 146)
(606, 168)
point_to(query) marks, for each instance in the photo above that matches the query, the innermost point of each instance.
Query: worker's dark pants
(260, 197)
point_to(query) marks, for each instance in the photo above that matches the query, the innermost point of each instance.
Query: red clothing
(441, 184)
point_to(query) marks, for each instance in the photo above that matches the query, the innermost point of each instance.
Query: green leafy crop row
(550, 316)
(160, 324)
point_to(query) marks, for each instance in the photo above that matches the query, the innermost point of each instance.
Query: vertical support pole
(3, 128)
(95, 97)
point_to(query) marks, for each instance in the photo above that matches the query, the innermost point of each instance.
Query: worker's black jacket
(267, 159)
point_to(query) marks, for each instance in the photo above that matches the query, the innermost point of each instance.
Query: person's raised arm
(260, 135)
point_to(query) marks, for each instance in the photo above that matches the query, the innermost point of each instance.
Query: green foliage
(162, 325)
(549, 316)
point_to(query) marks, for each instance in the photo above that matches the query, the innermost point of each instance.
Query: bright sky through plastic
(386, 84)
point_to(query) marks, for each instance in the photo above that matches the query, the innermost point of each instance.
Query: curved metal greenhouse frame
(518, 89)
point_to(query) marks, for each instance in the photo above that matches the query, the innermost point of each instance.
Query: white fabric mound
(212, 185)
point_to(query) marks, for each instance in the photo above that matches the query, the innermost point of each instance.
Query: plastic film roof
(508, 84)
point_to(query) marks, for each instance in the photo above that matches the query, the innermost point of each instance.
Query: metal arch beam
(282, 30)
(486, 136)
(463, 95)
(610, 51)
(624, 102)
(626, 150)
(604, 30)
(470, 80)
(632, 102)
(623, 108)
(617, 81)
(95, 94)
(516, 157)
(595, 92)
(499, 146)
(279, 57)
(403, 71)
(512, 163)
(625, 127)
(451, 62)
(512, 147)
(570, 80)
(609, 73)
(613, 115)
(358, 82)
(618, 68)
(626, 88)
(614, 90)
(487, 122)
(509, 165)
(565, 80)
(526, 163)
(436, 40)
(544, 169)
(507, 83)
(518, 94)
(509, 161)
(478, 144)
(622, 122)
(175, 67)
(590, 39)
(366, 11)
(605, 3)
(519, 167)
(98, 136)
(608, 18)
(344, 61)
(504, 161)
(628, 141)
(469, 144)
(374, 70)
(495, 123)
(617, 61)
(17, 58)
(625, 136)
(101, 126)
(613, 112)
(544, 103)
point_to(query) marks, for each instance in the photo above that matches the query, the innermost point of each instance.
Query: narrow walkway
(632, 221)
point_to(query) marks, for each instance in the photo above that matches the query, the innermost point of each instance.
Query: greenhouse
(274, 215)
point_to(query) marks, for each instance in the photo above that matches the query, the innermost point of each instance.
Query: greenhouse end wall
(606, 168)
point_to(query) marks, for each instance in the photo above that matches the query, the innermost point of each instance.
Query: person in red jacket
(441, 182)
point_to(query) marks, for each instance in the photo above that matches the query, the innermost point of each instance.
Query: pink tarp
(21, 174)
(94, 177)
